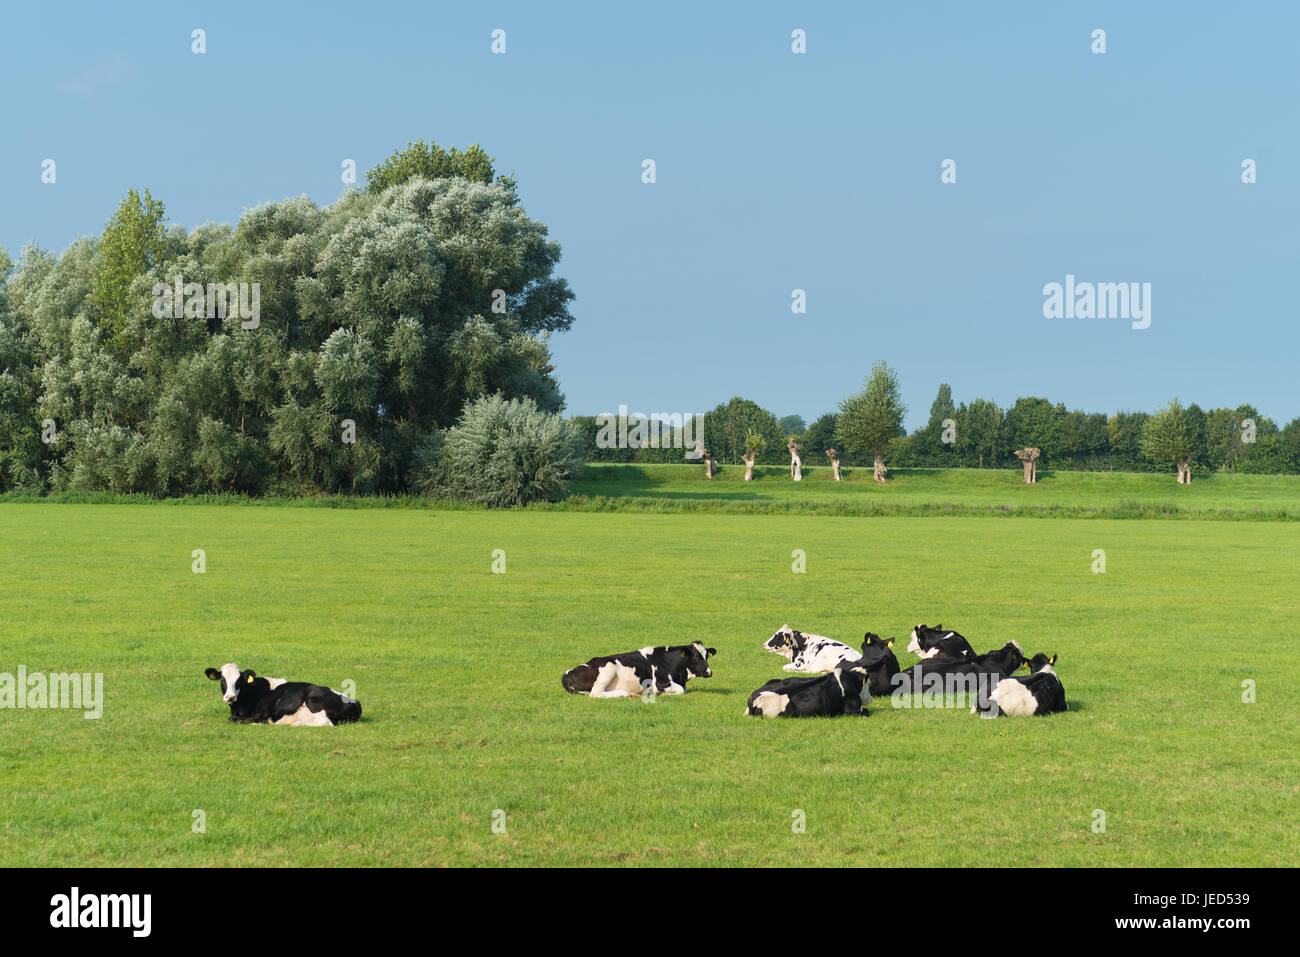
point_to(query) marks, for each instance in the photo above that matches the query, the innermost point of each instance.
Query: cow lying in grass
(841, 691)
(878, 658)
(808, 652)
(960, 677)
(939, 643)
(255, 700)
(1039, 692)
(663, 670)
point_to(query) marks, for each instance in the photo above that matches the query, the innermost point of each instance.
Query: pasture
(458, 672)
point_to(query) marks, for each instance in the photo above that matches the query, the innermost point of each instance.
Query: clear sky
(775, 171)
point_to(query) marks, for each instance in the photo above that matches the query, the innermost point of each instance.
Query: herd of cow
(844, 680)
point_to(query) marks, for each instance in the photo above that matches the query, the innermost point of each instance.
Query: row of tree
(377, 319)
(982, 434)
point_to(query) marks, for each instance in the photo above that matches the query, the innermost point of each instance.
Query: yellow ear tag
(249, 679)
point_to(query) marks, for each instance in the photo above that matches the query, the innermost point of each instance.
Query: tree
(820, 436)
(792, 425)
(1168, 437)
(1035, 422)
(980, 431)
(727, 427)
(132, 246)
(431, 161)
(872, 417)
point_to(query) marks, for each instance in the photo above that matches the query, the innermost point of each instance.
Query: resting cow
(1039, 692)
(878, 658)
(839, 692)
(808, 652)
(961, 677)
(255, 700)
(665, 669)
(939, 643)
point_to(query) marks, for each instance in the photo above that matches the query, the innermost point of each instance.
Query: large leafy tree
(869, 420)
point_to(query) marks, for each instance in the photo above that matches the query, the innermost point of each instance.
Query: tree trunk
(835, 466)
(749, 465)
(880, 471)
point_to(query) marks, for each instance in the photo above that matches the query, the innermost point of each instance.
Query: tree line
(982, 434)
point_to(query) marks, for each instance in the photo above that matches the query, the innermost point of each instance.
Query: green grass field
(458, 671)
(936, 491)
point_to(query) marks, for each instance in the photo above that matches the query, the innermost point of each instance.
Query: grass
(458, 672)
(937, 491)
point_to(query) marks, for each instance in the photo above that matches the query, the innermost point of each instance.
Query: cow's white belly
(305, 717)
(616, 681)
(1014, 698)
(770, 704)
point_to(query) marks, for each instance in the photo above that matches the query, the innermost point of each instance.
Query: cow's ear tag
(249, 680)
(890, 642)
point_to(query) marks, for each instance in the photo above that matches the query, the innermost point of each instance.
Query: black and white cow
(937, 642)
(255, 700)
(1039, 692)
(995, 664)
(808, 652)
(878, 658)
(841, 691)
(666, 669)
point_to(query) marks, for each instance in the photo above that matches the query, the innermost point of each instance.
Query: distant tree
(873, 417)
(792, 425)
(942, 408)
(980, 432)
(728, 427)
(431, 161)
(1168, 437)
(820, 436)
(1035, 422)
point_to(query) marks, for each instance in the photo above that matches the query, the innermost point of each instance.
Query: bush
(504, 452)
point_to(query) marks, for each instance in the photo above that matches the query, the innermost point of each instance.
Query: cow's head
(876, 649)
(1040, 662)
(921, 633)
(695, 659)
(232, 680)
(1013, 655)
(787, 642)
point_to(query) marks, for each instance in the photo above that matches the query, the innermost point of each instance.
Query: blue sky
(775, 171)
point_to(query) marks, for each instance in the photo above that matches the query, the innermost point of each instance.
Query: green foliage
(431, 161)
(754, 443)
(871, 419)
(131, 247)
(792, 425)
(390, 309)
(728, 427)
(1170, 434)
(506, 452)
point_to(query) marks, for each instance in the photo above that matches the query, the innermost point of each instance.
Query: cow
(255, 700)
(961, 676)
(839, 692)
(937, 642)
(808, 652)
(661, 670)
(878, 658)
(1039, 692)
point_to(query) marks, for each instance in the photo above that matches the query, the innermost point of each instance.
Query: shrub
(505, 452)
